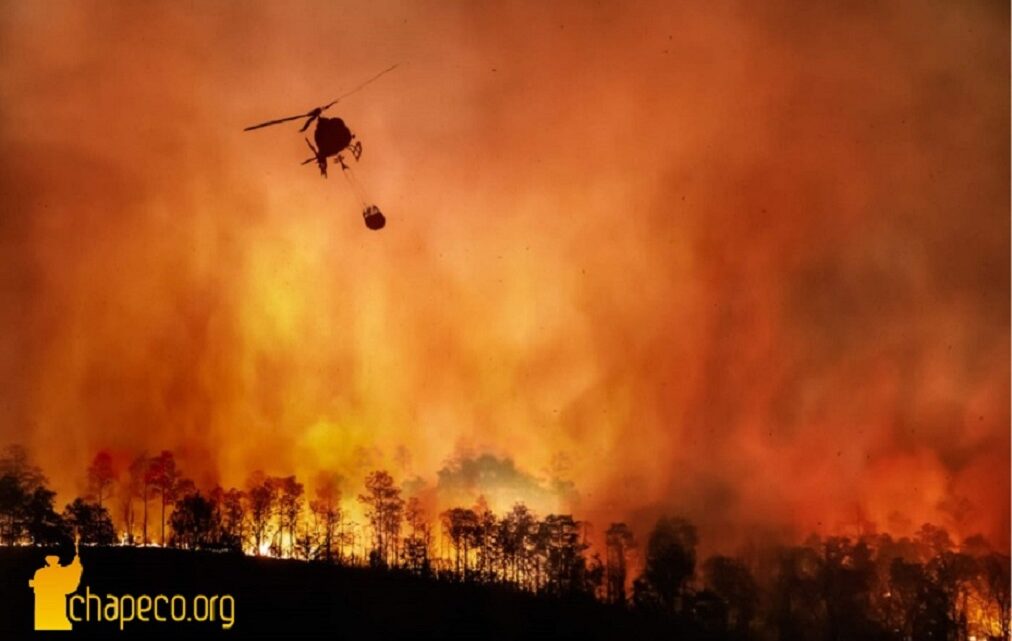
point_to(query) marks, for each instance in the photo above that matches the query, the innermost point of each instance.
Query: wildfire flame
(741, 263)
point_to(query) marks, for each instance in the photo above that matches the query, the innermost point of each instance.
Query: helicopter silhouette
(333, 137)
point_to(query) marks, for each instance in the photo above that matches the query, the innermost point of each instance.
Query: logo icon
(52, 583)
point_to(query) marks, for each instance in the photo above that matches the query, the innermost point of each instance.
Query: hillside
(296, 600)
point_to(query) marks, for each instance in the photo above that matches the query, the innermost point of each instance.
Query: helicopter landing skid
(356, 153)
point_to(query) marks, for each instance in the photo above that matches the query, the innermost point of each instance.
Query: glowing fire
(719, 276)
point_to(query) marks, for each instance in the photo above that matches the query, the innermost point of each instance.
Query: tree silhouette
(194, 523)
(461, 525)
(419, 540)
(384, 509)
(135, 486)
(43, 526)
(565, 568)
(846, 577)
(618, 541)
(515, 532)
(954, 574)
(101, 476)
(13, 499)
(932, 540)
(165, 479)
(996, 588)
(230, 516)
(485, 539)
(536, 551)
(796, 595)
(327, 512)
(922, 607)
(731, 580)
(90, 521)
(26, 504)
(670, 561)
(594, 577)
(16, 463)
(260, 497)
(289, 493)
(307, 543)
(142, 480)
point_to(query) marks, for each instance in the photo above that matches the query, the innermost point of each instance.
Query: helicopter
(333, 138)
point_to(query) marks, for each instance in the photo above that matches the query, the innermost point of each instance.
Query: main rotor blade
(356, 89)
(278, 121)
(313, 115)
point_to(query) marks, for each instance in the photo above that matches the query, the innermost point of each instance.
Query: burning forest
(873, 586)
(700, 310)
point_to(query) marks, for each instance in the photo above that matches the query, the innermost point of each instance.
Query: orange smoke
(745, 264)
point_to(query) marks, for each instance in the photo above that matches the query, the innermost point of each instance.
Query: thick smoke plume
(747, 262)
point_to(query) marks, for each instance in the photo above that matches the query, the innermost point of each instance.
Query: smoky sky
(745, 263)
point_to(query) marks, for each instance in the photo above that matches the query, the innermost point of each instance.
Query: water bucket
(374, 218)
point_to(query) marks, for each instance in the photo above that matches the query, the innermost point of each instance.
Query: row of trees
(876, 587)
(28, 513)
